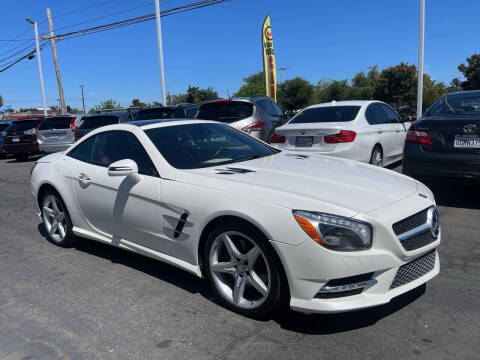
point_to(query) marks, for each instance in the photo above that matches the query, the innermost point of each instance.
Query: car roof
(156, 123)
(142, 123)
(345, 103)
(467, 92)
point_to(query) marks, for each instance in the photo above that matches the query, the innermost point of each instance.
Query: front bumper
(417, 162)
(310, 267)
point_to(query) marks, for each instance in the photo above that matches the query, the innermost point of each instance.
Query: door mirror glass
(123, 168)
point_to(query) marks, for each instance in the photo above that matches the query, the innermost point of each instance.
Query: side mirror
(123, 167)
(406, 118)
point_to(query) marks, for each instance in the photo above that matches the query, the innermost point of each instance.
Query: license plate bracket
(304, 141)
(466, 142)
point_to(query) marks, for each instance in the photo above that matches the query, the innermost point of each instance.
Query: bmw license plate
(15, 139)
(304, 141)
(467, 141)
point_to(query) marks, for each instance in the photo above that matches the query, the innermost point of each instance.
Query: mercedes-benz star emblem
(470, 128)
(434, 222)
(302, 132)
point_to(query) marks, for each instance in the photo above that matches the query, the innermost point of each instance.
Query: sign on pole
(269, 66)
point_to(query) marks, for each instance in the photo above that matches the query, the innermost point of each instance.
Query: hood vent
(231, 171)
(298, 156)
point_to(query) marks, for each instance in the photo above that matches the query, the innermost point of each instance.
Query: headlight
(30, 131)
(335, 232)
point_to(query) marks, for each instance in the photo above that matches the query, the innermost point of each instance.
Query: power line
(80, 10)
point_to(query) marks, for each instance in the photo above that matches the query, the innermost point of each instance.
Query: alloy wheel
(377, 158)
(54, 218)
(239, 270)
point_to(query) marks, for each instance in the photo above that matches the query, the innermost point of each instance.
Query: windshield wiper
(246, 158)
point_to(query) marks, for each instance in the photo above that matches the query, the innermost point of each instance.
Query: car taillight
(73, 127)
(277, 139)
(256, 126)
(419, 137)
(344, 136)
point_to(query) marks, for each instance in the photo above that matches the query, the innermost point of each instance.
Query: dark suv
(92, 122)
(179, 111)
(20, 138)
(257, 116)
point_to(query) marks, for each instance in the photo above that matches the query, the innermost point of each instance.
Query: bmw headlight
(335, 232)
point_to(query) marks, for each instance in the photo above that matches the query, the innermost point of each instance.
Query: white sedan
(361, 130)
(263, 225)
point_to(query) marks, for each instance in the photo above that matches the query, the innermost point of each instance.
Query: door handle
(397, 131)
(84, 179)
(379, 131)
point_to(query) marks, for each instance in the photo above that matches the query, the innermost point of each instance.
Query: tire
(259, 286)
(376, 158)
(60, 234)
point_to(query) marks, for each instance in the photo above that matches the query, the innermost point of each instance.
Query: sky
(219, 45)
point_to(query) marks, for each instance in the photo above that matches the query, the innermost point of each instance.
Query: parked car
(55, 133)
(445, 142)
(3, 127)
(180, 111)
(257, 116)
(92, 122)
(262, 225)
(21, 138)
(366, 131)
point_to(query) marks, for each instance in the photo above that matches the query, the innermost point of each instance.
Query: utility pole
(160, 51)
(39, 60)
(55, 61)
(83, 100)
(420, 59)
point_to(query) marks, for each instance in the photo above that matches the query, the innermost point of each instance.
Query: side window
(391, 114)
(112, 146)
(277, 109)
(83, 151)
(379, 114)
(370, 115)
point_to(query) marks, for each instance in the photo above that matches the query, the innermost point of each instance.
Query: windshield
(226, 111)
(24, 124)
(97, 121)
(456, 104)
(202, 145)
(326, 114)
(56, 123)
(157, 113)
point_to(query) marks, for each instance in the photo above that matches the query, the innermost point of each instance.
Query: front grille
(418, 241)
(414, 269)
(410, 222)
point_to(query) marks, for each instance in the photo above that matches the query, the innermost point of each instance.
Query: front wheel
(242, 269)
(377, 156)
(56, 221)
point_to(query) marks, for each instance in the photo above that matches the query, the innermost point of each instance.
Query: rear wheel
(242, 269)
(56, 220)
(377, 156)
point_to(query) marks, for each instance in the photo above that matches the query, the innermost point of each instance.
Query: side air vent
(231, 171)
(298, 156)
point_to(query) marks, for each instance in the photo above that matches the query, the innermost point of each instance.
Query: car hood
(50, 157)
(313, 182)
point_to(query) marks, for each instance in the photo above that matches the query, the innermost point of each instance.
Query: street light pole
(160, 51)
(39, 60)
(420, 59)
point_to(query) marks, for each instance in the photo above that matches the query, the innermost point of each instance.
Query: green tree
(253, 85)
(73, 110)
(328, 90)
(194, 95)
(397, 84)
(432, 90)
(1, 100)
(138, 104)
(295, 94)
(109, 104)
(363, 85)
(471, 72)
(455, 85)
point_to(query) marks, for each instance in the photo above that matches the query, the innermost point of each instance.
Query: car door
(124, 208)
(385, 130)
(397, 130)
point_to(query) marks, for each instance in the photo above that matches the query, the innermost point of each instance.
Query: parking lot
(93, 301)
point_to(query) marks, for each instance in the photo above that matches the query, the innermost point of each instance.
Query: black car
(20, 138)
(445, 142)
(179, 111)
(92, 122)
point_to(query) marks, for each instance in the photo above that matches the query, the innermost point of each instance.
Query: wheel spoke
(252, 256)
(56, 209)
(48, 211)
(238, 289)
(231, 248)
(223, 267)
(60, 217)
(53, 228)
(255, 281)
(61, 230)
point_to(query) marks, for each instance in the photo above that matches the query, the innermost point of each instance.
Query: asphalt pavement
(93, 301)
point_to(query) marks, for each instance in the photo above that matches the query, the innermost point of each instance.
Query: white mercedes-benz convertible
(263, 225)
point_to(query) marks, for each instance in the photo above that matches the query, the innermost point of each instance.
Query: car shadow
(29, 159)
(284, 316)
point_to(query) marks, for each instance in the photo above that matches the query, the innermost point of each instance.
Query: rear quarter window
(55, 123)
(326, 114)
(225, 111)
